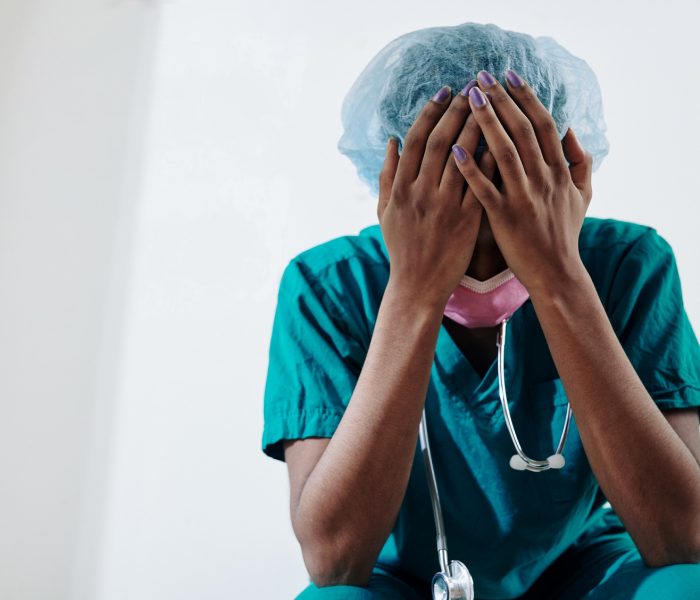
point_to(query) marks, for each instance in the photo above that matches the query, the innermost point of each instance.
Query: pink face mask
(486, 303)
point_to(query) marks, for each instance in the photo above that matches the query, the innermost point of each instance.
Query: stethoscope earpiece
(555, 461)
(517, 463)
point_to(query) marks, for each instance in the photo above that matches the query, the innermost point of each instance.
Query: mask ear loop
(521, 461)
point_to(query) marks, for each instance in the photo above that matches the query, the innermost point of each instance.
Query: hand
(537, 213)
(428, 220)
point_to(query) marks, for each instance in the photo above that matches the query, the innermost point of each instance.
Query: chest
(477, 345)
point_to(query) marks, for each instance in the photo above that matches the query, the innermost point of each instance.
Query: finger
(541, 119)
(487, 165)
(483, 189)
(515, 122)
(468, 139)
(441, 138)
(498, 141)
(386, 176)
(580, 164)
(417, 135)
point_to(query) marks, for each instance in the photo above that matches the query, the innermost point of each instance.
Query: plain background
(160, 163)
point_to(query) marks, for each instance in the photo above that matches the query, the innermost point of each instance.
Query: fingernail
(477, 97)
(443, 94)
(513, 78)
(467, 87)
(459, 153)
(485, 78)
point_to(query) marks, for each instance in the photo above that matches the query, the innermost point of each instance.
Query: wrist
(568, 281)
(402, 296)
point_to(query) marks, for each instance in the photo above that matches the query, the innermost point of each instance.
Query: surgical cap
(392, 89)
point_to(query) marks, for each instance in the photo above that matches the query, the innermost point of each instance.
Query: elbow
(679, 550)
(332, 560)
(328, 570)
(332, 563)
(675, 557)
(690, 552)
(335, 553)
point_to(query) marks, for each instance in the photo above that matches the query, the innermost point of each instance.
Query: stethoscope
(453, 581)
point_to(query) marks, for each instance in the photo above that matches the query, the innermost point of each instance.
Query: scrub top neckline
(457, 372)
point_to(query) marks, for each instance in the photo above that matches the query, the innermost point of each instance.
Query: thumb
(387, 174)
(580, 163)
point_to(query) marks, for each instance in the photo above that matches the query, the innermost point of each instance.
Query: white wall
(160, 162)
(73, 76)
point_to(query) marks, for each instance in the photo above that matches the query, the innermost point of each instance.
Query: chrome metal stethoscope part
(454, 582)
(458, 585)
(521, 461)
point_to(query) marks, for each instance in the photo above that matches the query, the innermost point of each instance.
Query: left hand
(537, 213)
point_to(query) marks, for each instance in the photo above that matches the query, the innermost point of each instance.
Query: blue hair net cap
(392, 89)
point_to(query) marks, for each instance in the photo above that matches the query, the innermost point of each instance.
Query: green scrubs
(507, 526)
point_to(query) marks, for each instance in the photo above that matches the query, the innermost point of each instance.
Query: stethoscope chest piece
(458, 585)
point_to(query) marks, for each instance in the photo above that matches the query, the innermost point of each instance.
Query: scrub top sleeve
(646, 311)
(314, 362)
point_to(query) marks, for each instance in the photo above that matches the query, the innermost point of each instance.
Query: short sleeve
(314, 360)
(646, 311)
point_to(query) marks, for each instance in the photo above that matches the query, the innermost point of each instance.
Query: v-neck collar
(457, 373)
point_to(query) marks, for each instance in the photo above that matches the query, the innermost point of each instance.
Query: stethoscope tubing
(530, 464)
(434, 495)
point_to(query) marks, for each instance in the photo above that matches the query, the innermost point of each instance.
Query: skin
(536, 217)
(441, 218)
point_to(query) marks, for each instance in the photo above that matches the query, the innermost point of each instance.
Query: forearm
(645, 470)
(350, 501)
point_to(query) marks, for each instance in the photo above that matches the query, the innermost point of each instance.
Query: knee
(330, 592)
(381, 586)
(671, 582)
(634, 580)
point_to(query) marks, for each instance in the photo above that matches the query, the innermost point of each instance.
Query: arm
(346, 492)
(648, 474)
(686, 424)
(646, 471)
(346, 507)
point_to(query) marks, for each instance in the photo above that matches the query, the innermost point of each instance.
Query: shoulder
(354, 259)
(610, 234)
(366, 246)
(343, 279)
(624, 258)
(605, 245)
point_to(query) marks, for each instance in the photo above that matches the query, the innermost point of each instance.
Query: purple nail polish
(513, 78)
(443, 94)
(485, 78)
(459, 153)
(467, 87)
(477, 97)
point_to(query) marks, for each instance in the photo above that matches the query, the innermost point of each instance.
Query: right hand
(428, 221)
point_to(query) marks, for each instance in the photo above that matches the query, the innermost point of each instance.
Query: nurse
(491, 183)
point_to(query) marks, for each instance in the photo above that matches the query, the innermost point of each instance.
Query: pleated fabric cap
(391, 90)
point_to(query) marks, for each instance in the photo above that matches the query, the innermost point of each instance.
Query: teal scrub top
(507, 526)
